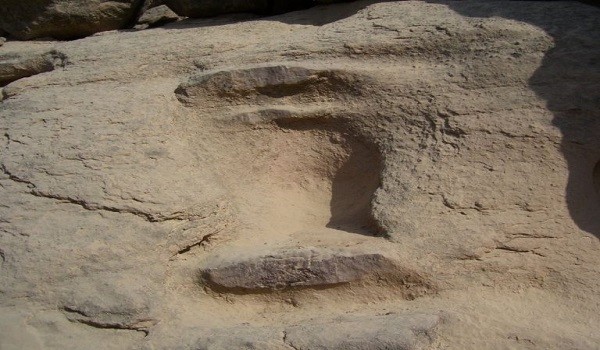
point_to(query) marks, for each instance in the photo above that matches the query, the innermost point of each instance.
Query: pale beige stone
(458, 140)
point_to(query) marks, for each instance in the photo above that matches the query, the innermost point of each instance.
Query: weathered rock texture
(69, 19)
(14, 66)
(266, 86)
(306, 269)
(65, 19)
(361, 332)
(157, 16)
(459, 140)
(401, 332)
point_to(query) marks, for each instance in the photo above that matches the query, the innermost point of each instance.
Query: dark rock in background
(65, 19)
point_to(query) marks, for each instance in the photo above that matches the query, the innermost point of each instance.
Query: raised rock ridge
(307, 269)
(263, 84)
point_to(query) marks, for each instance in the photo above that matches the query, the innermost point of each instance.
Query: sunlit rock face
(365, 175)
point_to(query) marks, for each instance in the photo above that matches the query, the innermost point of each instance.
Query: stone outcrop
(266, 85)
(392, 331)
(69, 19)
(14, 66)
(317, 179)
(307, 269)
(157, 16)
(65, 19)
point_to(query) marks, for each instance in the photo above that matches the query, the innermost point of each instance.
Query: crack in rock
(78, 316)
(150, 217)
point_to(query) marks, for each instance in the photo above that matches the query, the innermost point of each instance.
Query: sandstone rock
(118, 301)
(45, 329)
(469, 131)
(68, 19)
(243, 337)
(64, 19)
(405, 331)
(18, 65)
(303, 269)
(391, 331)
(198, 9)
(266, 85)
(251, 80)
(14, 333)
(157, 16)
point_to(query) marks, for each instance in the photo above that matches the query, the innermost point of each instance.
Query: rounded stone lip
(268, 81)
(294, 270)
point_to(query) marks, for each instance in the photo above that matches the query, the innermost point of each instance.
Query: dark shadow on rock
(569, 81)
(354, 182)
(353, 189)
(190, 23)
(318, 15)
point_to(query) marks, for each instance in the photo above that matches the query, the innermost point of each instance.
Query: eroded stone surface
(394, 331)
(266, 84)
(14, 66)
(243, 337)
(157, 16)
(302, 269)
(487, 129)
(407, 331)
(64, 19)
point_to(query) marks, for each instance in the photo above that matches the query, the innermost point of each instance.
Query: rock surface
(407, 331)
(14, 66)
(401, 332)
(157, 16)
(69, 19)
(459, 140)
(265, 85)
(64, 19)
(302, 269)
(244, 337)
